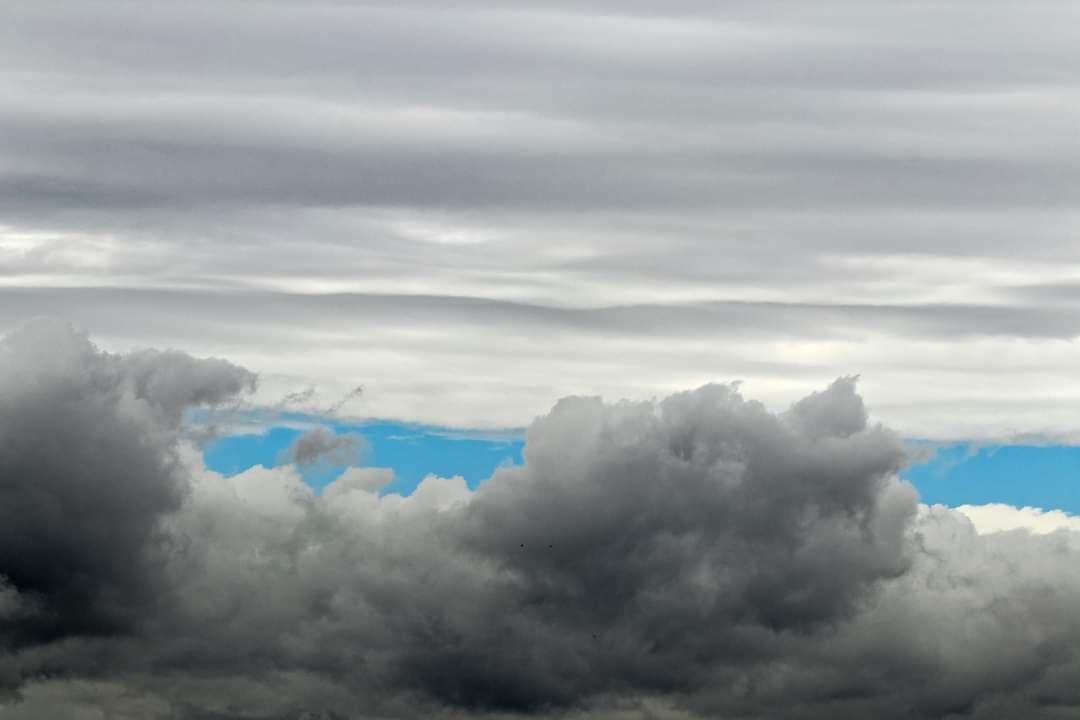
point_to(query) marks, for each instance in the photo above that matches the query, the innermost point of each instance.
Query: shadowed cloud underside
(696, 556)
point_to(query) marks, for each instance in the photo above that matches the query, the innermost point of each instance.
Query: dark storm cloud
(87, 471)
(645, 547)
(698, 556)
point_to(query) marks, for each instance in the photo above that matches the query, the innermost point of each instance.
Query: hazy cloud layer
(783, 192)
(697, 556)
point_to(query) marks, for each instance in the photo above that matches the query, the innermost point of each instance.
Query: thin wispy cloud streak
(696, 556)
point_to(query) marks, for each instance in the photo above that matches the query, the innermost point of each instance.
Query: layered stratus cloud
(477, 208)
(698, 556)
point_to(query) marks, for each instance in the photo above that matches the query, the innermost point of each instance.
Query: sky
(954, 474)
(477, 208)
(583, 360)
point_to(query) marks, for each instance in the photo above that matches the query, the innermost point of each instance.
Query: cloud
(497, 364)
(980, 627)
(637, 536)
(356, 478)
(563, 197)
(87, 472)
(698, 556)
(1003, 518)
(321, 445)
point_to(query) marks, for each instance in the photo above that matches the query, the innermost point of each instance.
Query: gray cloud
(378, 105)
(319, 444)
(478, 362)
(649, 535)
(731, 319)
(479, 209)
(87, 472)
(823, 179)
(698, 556)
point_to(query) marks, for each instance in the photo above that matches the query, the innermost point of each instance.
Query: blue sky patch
(412, 451)
(954, 474)
(1044, 476)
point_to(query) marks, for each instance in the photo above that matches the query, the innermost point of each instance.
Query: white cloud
(998, 517)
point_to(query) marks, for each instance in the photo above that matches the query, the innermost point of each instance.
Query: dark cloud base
(698, 556)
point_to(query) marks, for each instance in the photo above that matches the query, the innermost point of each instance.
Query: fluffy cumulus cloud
(693, 557)
(89, 468)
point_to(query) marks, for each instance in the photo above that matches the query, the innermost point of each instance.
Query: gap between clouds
(1035, 476)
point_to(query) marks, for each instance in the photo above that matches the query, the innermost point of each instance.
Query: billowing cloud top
(479, 207)
(699, 556)
(88, 461)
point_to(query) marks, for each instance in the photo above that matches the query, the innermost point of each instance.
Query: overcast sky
(480, 215)
(474, 208)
